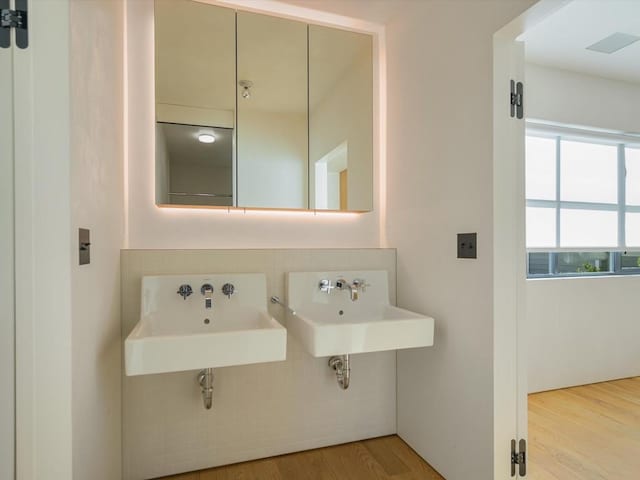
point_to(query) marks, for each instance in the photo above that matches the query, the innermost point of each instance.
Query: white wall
(97, 192)
(582, 330)
(153, 227)
(440, 153)
(576, 99)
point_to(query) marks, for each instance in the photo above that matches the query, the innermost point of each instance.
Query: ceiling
(561, 40)
(375, 11)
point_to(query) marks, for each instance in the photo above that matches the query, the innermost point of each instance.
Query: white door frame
(43, 247)
(7, 307)
(510, 367)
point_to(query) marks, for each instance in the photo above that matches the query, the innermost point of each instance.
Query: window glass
(583, 262)
(588, 172)
(577, 184)
(539, 263)
(588, 228)
(632, 156)
(541, 227)
(632, 226)
(630, 260)
(541, 168)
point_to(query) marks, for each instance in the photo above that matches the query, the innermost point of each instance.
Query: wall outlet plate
(467, 245)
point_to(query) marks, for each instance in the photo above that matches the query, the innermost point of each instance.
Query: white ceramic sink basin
(332, 324)
(176, 334)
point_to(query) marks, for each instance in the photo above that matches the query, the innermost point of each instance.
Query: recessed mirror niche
(257, 111)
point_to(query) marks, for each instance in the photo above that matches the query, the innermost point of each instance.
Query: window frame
(621, 141)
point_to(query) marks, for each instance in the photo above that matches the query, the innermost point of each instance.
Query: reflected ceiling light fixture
(246, 86)
(206, 138)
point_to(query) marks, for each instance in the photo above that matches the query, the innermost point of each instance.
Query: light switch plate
(467, 245)
(84, 246)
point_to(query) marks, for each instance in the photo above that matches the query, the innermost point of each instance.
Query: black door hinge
(14, 19)
(519, 458)
(516, 99)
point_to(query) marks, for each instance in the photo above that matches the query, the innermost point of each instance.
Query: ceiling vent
(613, 43)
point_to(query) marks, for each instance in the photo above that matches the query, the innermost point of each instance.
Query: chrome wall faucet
(207, 291)
(358, 285)
(355, 287)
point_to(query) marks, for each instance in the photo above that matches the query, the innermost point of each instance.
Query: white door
(509, 260)
(510, 355)
(42, 233)
(7, 287)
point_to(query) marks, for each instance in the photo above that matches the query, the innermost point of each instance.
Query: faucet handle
(184, 291)
(361, 284)
(341, 284)
(326, 286)
(228, 289)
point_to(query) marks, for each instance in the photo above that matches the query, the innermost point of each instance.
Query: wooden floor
(586, 433)
(376, 459)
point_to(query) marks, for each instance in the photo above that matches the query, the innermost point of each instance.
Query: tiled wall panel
(258, 410)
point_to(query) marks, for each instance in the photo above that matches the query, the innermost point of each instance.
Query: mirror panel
(272, 112)
(195, 60)
(340, 119)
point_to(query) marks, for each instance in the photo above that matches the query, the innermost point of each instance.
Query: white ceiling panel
(563, 40)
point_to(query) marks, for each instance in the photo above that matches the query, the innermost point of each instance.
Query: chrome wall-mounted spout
(341, 365)
(357, 286)
(207, 291)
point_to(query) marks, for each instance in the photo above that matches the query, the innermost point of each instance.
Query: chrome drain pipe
(205, 379)
(342, 368)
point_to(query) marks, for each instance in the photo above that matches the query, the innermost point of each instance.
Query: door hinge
(516, 99)
(519, 458)
(14, 19)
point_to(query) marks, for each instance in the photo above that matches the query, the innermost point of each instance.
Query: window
(583, 202)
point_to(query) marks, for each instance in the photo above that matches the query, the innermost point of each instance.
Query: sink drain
(207, 321)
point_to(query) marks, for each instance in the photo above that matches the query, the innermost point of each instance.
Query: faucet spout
(357, 286)
(354, 292)
(207, 291)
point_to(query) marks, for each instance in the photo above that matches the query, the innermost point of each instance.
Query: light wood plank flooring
(590, 432)
(384, 458)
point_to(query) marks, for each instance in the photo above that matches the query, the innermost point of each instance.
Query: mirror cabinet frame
(375, 34)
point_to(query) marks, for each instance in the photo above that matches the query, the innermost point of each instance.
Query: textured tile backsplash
(258, 410)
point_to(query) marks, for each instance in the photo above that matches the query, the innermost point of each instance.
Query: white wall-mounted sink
(176, 334)
(333, 324)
